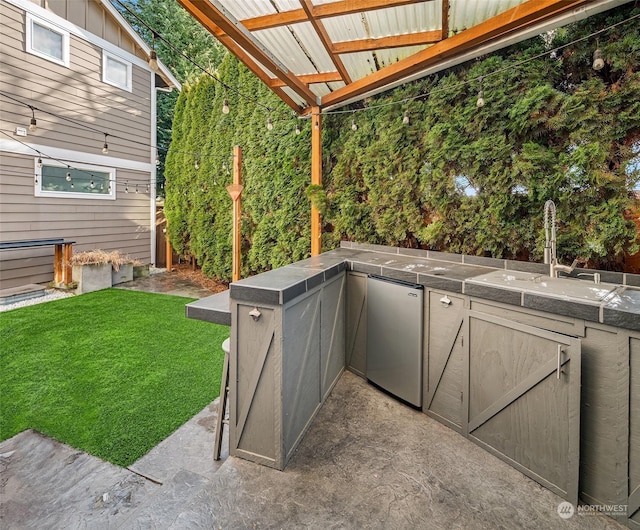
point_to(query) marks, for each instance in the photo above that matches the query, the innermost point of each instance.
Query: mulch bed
(183, 270)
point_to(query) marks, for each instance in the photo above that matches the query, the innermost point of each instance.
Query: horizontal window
(55, 179)
(47, 41)
(116, 71)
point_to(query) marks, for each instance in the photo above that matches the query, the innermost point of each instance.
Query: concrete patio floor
(367, 461)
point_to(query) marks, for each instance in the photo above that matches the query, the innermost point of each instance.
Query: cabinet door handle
(559, 371)
(445, 300)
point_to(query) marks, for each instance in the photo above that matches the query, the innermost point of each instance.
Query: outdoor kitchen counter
(437, 270)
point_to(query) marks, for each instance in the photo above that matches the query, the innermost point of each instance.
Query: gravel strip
(50, 294)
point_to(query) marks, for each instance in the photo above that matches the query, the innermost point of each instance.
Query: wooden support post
(168, 249)
(235, 191)
(67, 269)
(316, 179)
(57, 264)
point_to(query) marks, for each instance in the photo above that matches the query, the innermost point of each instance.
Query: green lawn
(112, 372)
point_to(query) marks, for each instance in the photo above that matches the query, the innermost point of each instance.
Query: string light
(126, 187)
(354, 126)
(68, 177)
(153, 56)
(480, 101)
(39, 162)
(297, 129)
(92, 184)
(269, 124)
(225, 106)
(72, 186)
(405, 118)
(105, 147)
(598, 61)
(33, 124)
(136, 188)
(196, 164)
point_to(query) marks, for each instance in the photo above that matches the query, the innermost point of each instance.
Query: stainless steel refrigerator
(394, 337)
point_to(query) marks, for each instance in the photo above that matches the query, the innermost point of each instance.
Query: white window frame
(39, 192)
(65, 40)
(105, 56)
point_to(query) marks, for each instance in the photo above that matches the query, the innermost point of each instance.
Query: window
(47, 41)
(116, 71)
(55, 179)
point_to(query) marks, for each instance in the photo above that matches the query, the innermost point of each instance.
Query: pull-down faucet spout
(550, 242)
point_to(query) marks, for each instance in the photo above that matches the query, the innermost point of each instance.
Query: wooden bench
(62, 256)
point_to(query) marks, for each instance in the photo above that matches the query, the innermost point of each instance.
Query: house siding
(92, 17)
(76, 92)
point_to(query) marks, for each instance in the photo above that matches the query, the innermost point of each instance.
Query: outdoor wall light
(598, 61)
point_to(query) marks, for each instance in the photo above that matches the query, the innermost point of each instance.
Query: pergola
(318, 55)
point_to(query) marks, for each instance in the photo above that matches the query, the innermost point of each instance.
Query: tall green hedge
(457, 177)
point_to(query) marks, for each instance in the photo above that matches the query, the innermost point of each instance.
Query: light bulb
(480, 102)
(39, 162)
(598, 61)
(105, 148)
(72, 185)
(33, 126)
(317, 124)
(92, 185)
(126, 187)
(269, 124)
(153, 60)
(196, 165)
(297, 129)
(405, 118)
(68, 177)
(225, 106)
(354, 126)
(157, 161)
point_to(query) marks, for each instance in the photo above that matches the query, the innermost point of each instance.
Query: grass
(111, 372)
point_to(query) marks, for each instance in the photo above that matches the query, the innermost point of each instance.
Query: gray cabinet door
(523, 402)
(633, 505)
(356, 326)
(444, 384)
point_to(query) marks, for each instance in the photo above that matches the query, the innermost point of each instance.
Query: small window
(47, 41)
(116, 71)
(55, 179)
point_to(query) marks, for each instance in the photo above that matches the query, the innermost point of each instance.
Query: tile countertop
(437, 270)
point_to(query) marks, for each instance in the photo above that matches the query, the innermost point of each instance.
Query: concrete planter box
(92, 277)
(123, 274)
(140, 271)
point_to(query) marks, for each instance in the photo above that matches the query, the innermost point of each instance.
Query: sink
(539, 284)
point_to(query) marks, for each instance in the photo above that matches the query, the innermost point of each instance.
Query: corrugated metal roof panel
(312, 43)
(320, 89)
(393, 55)
(359, 64)
(345, 28)
(404, 19)
(242, 10)
(295, 97)
(281, 43)
(464, 14)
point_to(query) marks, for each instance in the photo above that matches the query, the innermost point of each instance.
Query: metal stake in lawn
(235, 190)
